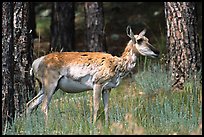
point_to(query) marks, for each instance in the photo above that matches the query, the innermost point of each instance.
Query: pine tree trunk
(62, 26)
(23, 56)
(17, 84)
(182, 41)
(94, 16)
(7, 64)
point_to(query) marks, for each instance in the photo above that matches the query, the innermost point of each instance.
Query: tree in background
(62, 26)
(182, 41)
(32, 19)
(94, 16)
(8, 108)
(17, 84)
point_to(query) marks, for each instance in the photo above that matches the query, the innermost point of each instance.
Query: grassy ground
(144, 104)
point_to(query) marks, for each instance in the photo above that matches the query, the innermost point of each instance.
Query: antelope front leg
(105, 96)
(96, 100)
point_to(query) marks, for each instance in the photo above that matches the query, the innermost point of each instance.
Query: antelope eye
(139, 41)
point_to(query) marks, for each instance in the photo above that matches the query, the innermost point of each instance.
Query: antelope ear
(142, 33)
(130, 34)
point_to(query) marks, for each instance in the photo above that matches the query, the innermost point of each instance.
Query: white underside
(83, 84)
(71, 86)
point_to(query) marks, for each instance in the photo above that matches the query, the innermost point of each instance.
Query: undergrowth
(144, 105)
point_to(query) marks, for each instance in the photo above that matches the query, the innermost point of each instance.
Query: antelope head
(141, 43)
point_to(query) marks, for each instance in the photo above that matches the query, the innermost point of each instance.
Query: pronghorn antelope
(75, 72)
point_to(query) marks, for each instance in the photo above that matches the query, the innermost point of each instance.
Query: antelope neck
(129, 57)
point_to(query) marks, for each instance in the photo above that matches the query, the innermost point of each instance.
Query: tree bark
(182, 41)
(23, 56)
(8, 108)
(94, 16)
(62, 26)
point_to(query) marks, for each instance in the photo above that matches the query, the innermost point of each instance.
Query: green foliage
(130, 112)
(154, 79)
(175, 113)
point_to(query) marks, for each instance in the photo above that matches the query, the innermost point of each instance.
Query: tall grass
(157, 111)
(154, 79)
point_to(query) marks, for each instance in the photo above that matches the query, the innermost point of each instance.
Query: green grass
(154, 79)
(141, 106)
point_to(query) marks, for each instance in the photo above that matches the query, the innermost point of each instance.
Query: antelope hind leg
(34, 102)
(105, 96)
(49, 90)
